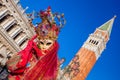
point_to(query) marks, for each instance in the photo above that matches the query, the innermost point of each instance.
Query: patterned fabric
(31, 60)
(47, 66)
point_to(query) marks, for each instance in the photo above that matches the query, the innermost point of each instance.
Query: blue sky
(83, 17)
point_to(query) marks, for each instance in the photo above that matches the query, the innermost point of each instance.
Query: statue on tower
(39, 60)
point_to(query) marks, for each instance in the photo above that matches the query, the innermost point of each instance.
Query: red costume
(33, 65)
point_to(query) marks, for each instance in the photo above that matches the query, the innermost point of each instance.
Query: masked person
(39, 60)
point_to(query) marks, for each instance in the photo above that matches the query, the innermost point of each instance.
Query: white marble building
(15, 29)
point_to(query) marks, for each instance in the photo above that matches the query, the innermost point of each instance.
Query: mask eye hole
(49, 43)
(41, 43)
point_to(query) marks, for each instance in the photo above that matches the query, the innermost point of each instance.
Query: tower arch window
(97, 43)
(90, 40)
(94, 42)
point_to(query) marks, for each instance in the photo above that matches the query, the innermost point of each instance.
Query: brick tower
(89, 53)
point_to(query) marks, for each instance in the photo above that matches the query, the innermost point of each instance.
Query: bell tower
(89, 53)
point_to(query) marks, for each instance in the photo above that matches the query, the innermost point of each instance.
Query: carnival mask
(45, 44)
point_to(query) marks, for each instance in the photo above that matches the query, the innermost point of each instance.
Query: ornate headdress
(51, 24)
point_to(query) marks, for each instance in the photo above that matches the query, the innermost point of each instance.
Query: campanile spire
(86, 57)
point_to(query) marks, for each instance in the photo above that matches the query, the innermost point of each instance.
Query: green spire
(108, 25)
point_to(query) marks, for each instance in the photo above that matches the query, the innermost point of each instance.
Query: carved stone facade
(15, 29)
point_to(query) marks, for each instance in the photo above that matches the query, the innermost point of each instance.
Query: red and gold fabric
(31, 64)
